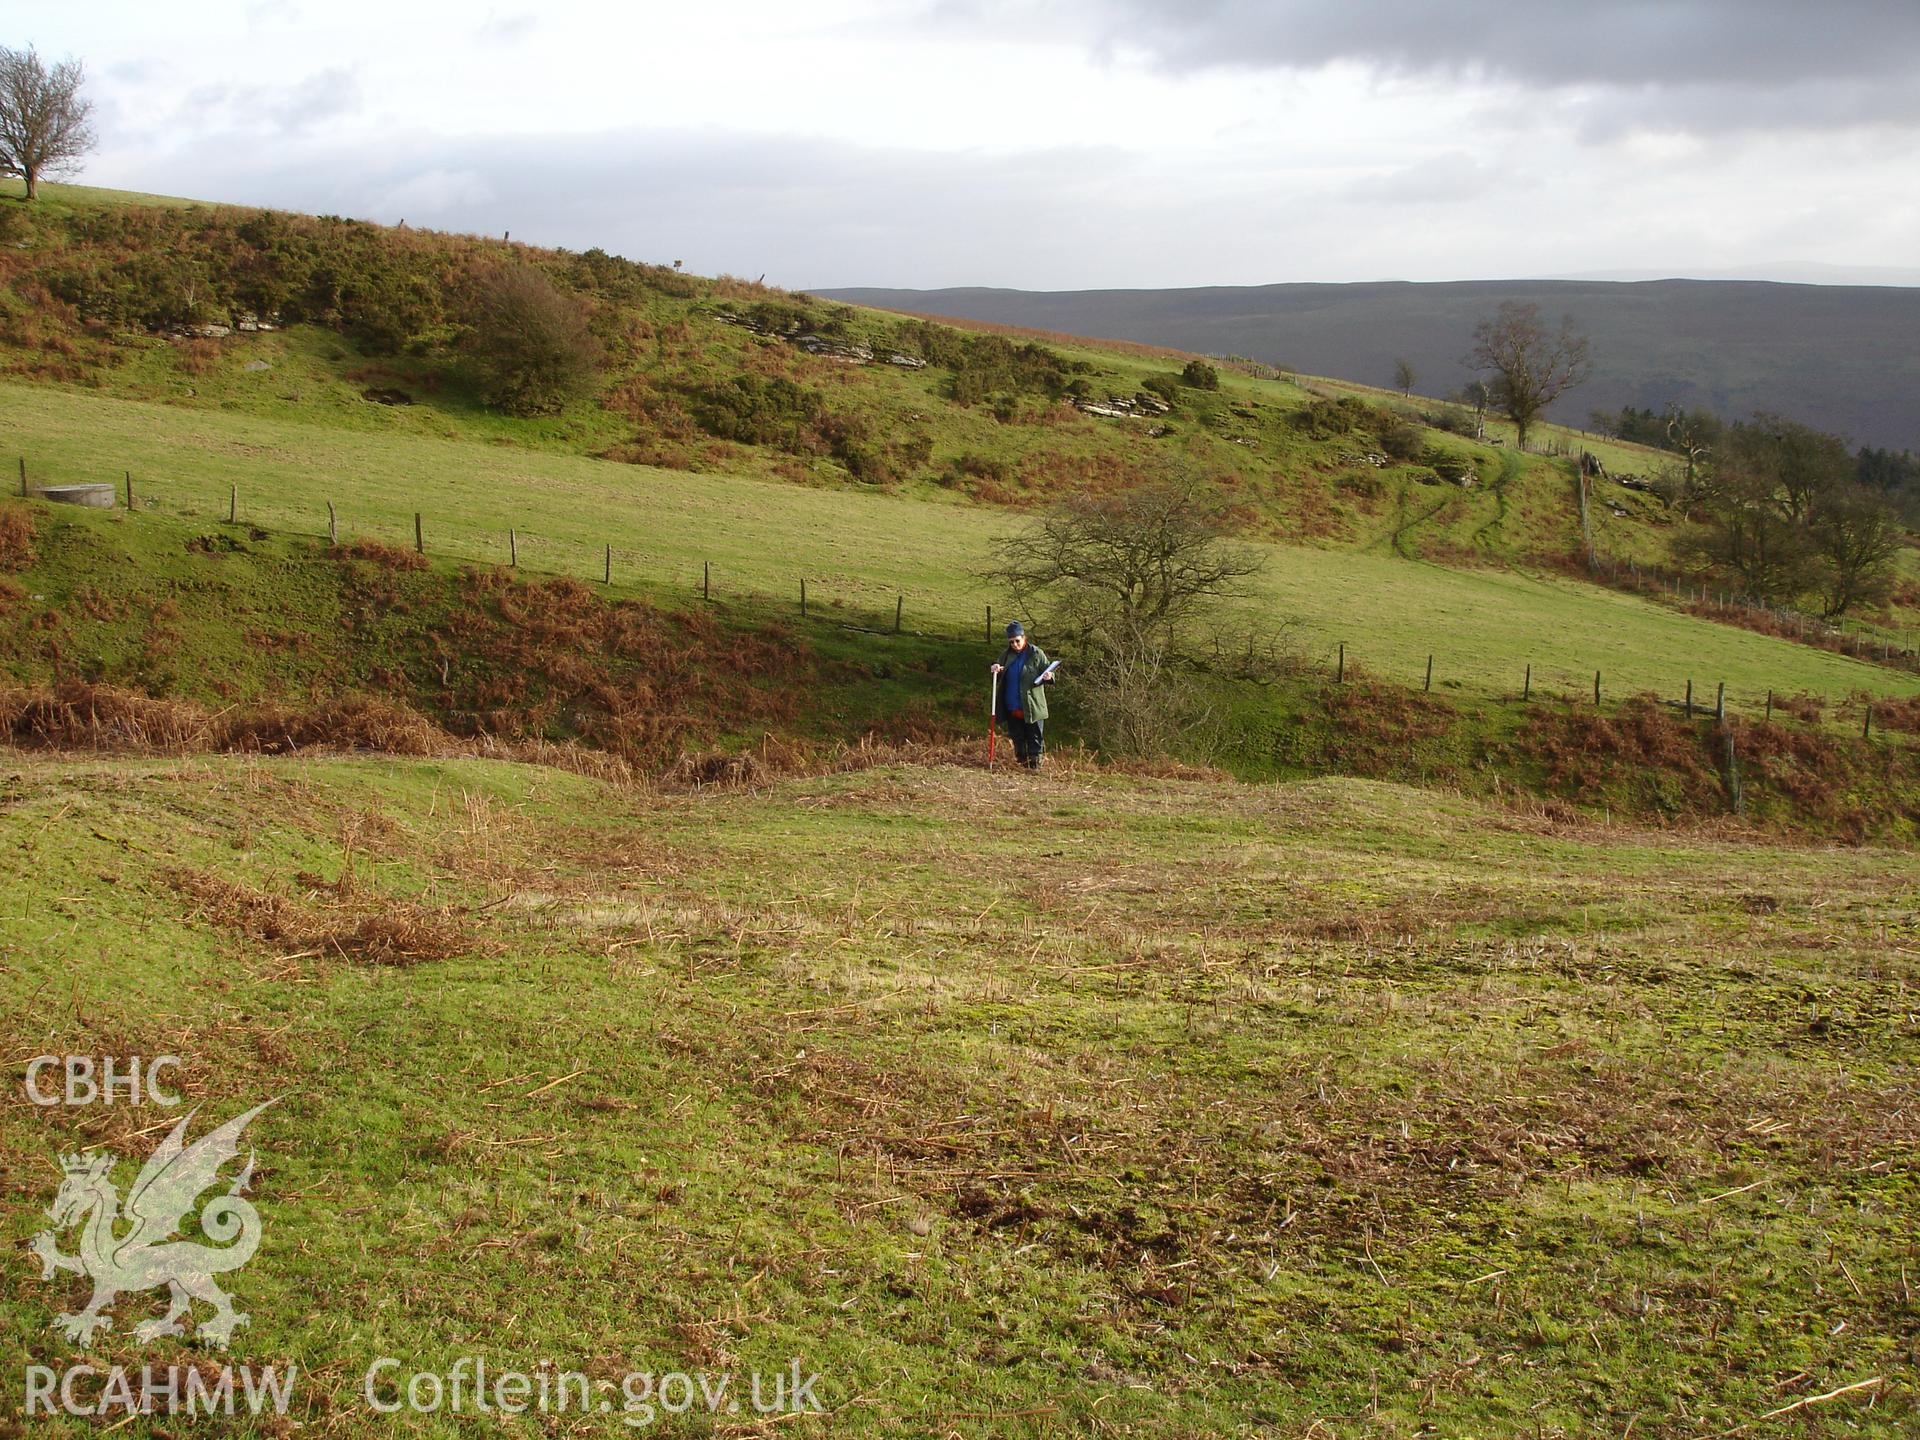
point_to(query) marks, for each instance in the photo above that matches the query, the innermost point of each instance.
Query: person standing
(1019, 695)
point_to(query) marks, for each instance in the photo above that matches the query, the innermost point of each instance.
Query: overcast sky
(1046, 146)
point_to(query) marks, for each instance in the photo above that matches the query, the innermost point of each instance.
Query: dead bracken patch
(1372, 728)
(1896, 714)
(214, 545)
(1804, 708)
(390, 557)
(555, 660)
(353, 722)
(376, 932)
(1639, 755)
(16, 537)
(75, 715)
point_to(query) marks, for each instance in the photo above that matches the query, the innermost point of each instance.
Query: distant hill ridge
(1843, 357)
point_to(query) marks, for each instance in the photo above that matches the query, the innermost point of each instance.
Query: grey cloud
(1449, 178)
(805, 211)
(1862, 55)
(319, 96)
(1543, 42)
(1700, 109)
(288, 109)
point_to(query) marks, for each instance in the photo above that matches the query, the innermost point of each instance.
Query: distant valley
(1843, 358)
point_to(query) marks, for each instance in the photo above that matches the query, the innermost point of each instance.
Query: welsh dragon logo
(133, 1248)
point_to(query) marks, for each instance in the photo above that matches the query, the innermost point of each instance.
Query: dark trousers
(1029, 739)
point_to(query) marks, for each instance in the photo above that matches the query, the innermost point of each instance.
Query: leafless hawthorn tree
(1129, 574)
(1531, 366)
(44, 127)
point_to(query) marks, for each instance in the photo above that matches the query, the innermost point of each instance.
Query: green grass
(283, 416)
(859, 549)
(56, 194)
(1087, 1105)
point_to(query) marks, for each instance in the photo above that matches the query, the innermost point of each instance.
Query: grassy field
(58, 194)
(860, 549)
(1091, 1105)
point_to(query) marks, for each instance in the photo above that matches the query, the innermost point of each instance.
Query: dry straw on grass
(377, 931)
(75, 715)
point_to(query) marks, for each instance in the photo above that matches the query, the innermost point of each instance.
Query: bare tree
(1692, 434)
(1129, 574)
(44, 127)
(1477, 397)
(1134, 704)
(1749, 536)
(1857, 540)
(1405, 377)
(1143, 559)
(1531, 366)
(1804, 465)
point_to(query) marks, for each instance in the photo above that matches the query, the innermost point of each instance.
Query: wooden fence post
(23, 477)
(513, 549)
(1429, 684)
(1689, 699)
(333, 525)
(1526, 686)
(989, 624)
(706, 579)
(1720, 703)
(803, 598)
(419, 535)
(129, 489)
(1769, 705)
(607, 578)
(1596, 687)
(1866, 725)
(899, 604)
(233, 505)
(1340, 674)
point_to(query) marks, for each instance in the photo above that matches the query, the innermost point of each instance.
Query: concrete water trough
(100, 497)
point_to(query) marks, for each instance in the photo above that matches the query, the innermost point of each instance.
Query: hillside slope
(363, 328)
(860, 552)
(252, 382)
(165, 633)
(1841, 358)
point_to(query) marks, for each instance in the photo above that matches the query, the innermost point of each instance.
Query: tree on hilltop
(1530, 366)
(1405, 377)
(44, 125)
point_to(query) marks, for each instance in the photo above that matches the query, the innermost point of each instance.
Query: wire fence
(879, 610)
(1898, 650)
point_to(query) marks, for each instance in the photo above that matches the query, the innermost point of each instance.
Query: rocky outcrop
(849, 352)
(1115, 407)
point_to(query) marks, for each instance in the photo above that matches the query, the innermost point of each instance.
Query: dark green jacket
(1033, 698)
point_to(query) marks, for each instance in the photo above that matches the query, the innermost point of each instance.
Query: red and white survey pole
(993, 709)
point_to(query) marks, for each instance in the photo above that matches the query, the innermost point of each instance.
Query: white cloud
(432, 195)
(1128, 142)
